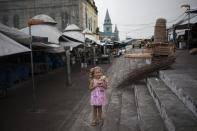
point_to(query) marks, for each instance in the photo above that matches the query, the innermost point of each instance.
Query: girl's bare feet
(100, 121)
(93, 123)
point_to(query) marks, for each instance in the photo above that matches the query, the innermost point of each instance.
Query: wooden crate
(163, 49)
(139, 55)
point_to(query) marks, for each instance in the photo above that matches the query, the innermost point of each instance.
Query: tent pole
(94, 55)
(85, 64)
(68, 69)
(32, 74)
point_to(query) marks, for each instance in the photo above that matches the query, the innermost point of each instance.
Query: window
(63, 21)
(107, 29)
(5, 20)
(66, 18)
(16, 21)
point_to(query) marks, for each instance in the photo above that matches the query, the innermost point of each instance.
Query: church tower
(107, 23)
(116, 33)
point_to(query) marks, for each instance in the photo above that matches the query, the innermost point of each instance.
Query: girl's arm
(105, 84)
(91, 85)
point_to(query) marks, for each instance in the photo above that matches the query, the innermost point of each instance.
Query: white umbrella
(49, 31)
(72, 27)
(74, 32)
(89, 35)
(45, 19)
(75, 35)
(8, 46)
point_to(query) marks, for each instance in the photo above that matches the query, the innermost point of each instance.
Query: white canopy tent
(74, 32)
(45, 19)
(8, 46)
(75, 35)
(66, 42)
(15, 34)
(72, 36)
(72, 27)
(89, 35)
(44, 26)
(49, 31)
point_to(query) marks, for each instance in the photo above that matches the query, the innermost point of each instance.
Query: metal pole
(84, 53)
(104, 49)
(68, 70)
(188, 33)
(94, 55)
(32, 74)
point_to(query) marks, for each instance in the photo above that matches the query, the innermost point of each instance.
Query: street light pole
(30, 23)
(188, 33)
(32, 74)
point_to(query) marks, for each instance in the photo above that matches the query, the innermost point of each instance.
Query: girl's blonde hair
(92, 70)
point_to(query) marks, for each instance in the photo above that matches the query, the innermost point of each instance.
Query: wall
(63, 11)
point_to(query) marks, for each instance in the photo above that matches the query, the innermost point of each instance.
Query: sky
(136, 18)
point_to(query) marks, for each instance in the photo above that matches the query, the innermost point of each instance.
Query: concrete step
(83, 120)
(128, 118)
(148, 115)
(176, 116)
(184, 86)
(113, 111)
(74, 113)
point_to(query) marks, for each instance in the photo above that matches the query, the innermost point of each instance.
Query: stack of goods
(139, 55)
(160, 31)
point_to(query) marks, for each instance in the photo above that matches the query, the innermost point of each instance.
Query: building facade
(107, 28)
(15, 13)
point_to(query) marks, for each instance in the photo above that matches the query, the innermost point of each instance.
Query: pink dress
(98, 95)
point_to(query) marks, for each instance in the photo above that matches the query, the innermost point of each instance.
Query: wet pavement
(54, 102)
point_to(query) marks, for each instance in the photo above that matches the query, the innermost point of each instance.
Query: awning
(75, 35)
(91, 37)
(56, 50)
(51, 48)
(71, 44)
(15, 34)
(40, 44)
(66, 42)
(8, 46)
(183, 26)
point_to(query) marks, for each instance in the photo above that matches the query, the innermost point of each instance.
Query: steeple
(116, 34)
(107, 18)
(107, 23)
(116, 29)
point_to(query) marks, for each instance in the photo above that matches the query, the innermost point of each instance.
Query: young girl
(98, 86)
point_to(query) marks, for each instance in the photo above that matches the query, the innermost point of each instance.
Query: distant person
(98, 86)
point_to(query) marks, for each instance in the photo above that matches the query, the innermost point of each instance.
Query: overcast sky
(136, 18)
